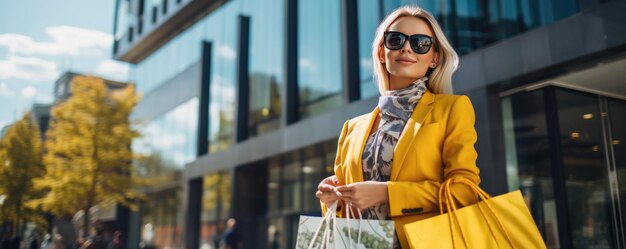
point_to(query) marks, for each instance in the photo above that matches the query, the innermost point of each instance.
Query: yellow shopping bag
(495, 222)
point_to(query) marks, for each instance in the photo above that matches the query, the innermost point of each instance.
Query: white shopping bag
(343, 233)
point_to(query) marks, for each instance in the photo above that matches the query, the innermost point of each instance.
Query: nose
(406, 47)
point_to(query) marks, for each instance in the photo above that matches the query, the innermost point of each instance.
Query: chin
(405, 74)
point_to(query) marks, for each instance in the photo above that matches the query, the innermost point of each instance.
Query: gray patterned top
(396, 108)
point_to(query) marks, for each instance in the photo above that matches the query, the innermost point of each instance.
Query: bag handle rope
(445, 190)
(331, 217)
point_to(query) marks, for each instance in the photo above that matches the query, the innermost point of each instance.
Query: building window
(164, 7)
(216, 199)
(368, 19)
(162, 220)
(130, 34)
(140, 15)
(265, 64)
(167, 144)
(470, 25)
(293, 179)
(155, 11)
(560, 130)
(319, 57)
(223, 100)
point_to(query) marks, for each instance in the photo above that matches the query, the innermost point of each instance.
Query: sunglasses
(419, 43)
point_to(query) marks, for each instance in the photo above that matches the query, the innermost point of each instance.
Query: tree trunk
(86, 222)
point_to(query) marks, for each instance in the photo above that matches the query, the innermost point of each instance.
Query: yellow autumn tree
(88, 154)
(20, 163)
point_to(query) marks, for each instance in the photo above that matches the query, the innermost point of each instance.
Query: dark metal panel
(243, 80)
(193, 213)
(558, 176)
(350, 48)
(203, 105)
(289, 96)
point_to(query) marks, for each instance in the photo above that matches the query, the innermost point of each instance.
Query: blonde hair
(439, 78)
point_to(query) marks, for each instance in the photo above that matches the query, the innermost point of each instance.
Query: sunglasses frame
(408, 38)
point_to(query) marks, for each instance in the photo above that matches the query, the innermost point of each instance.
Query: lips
(405, 60)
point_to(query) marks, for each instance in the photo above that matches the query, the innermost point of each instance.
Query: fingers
(326, 197)
(326, 188)
(345, 188)
(331, 180)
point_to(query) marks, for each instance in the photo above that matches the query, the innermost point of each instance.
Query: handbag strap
(452, 209)
(442, 197)
(452, 215)
(327, 219)
(351, 212)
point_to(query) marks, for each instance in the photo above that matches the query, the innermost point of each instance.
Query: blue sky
(41, 39)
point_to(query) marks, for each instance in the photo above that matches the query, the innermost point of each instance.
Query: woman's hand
(327, 190)
(364, 194)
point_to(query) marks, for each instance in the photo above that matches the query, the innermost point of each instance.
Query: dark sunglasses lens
(394, 41)
(421, 44)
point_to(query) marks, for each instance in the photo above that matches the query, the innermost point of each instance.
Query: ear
(381, 53)
(436, 57)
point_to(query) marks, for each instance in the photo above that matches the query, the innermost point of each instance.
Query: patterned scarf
(396, 107)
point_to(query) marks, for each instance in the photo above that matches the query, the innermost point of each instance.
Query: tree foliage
(20, 162)
(88, 150)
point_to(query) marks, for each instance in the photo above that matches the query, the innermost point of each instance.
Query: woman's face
(405, 64)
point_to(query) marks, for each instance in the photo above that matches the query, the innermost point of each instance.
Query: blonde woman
(391, 162)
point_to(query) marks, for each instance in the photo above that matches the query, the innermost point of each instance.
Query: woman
(391, 162)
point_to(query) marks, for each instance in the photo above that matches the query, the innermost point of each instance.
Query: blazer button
(412, 210)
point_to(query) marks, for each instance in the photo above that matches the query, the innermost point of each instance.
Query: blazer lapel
(362, 131)
(423, 108)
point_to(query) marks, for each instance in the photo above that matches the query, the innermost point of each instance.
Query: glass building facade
(554, 139)
(574, 146)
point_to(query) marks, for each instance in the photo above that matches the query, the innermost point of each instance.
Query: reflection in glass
(312, 175)
(161, 219)
(527, 165)
(222, 104)
(168, 142)
(216, 197)
(273, 186)
(617, 117)
(473, 24)
(368, 19)
(291, 186)
(319, 56)
(585, 168)
(275, 233)
(266, 64)
(293, 180)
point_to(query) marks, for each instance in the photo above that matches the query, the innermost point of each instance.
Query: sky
(42, 39)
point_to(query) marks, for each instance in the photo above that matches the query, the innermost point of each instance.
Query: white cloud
(65, 40)
(306, 64)
(4, 90)
(29, 92)
(113, 69)
(25, 68)
(227, 52)
(366, 63)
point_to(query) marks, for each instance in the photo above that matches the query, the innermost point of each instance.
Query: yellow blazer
(437, 144)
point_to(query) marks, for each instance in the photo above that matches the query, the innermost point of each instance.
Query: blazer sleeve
(459, 158)
(337, 168)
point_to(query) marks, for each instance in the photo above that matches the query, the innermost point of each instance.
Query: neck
(396, 83)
